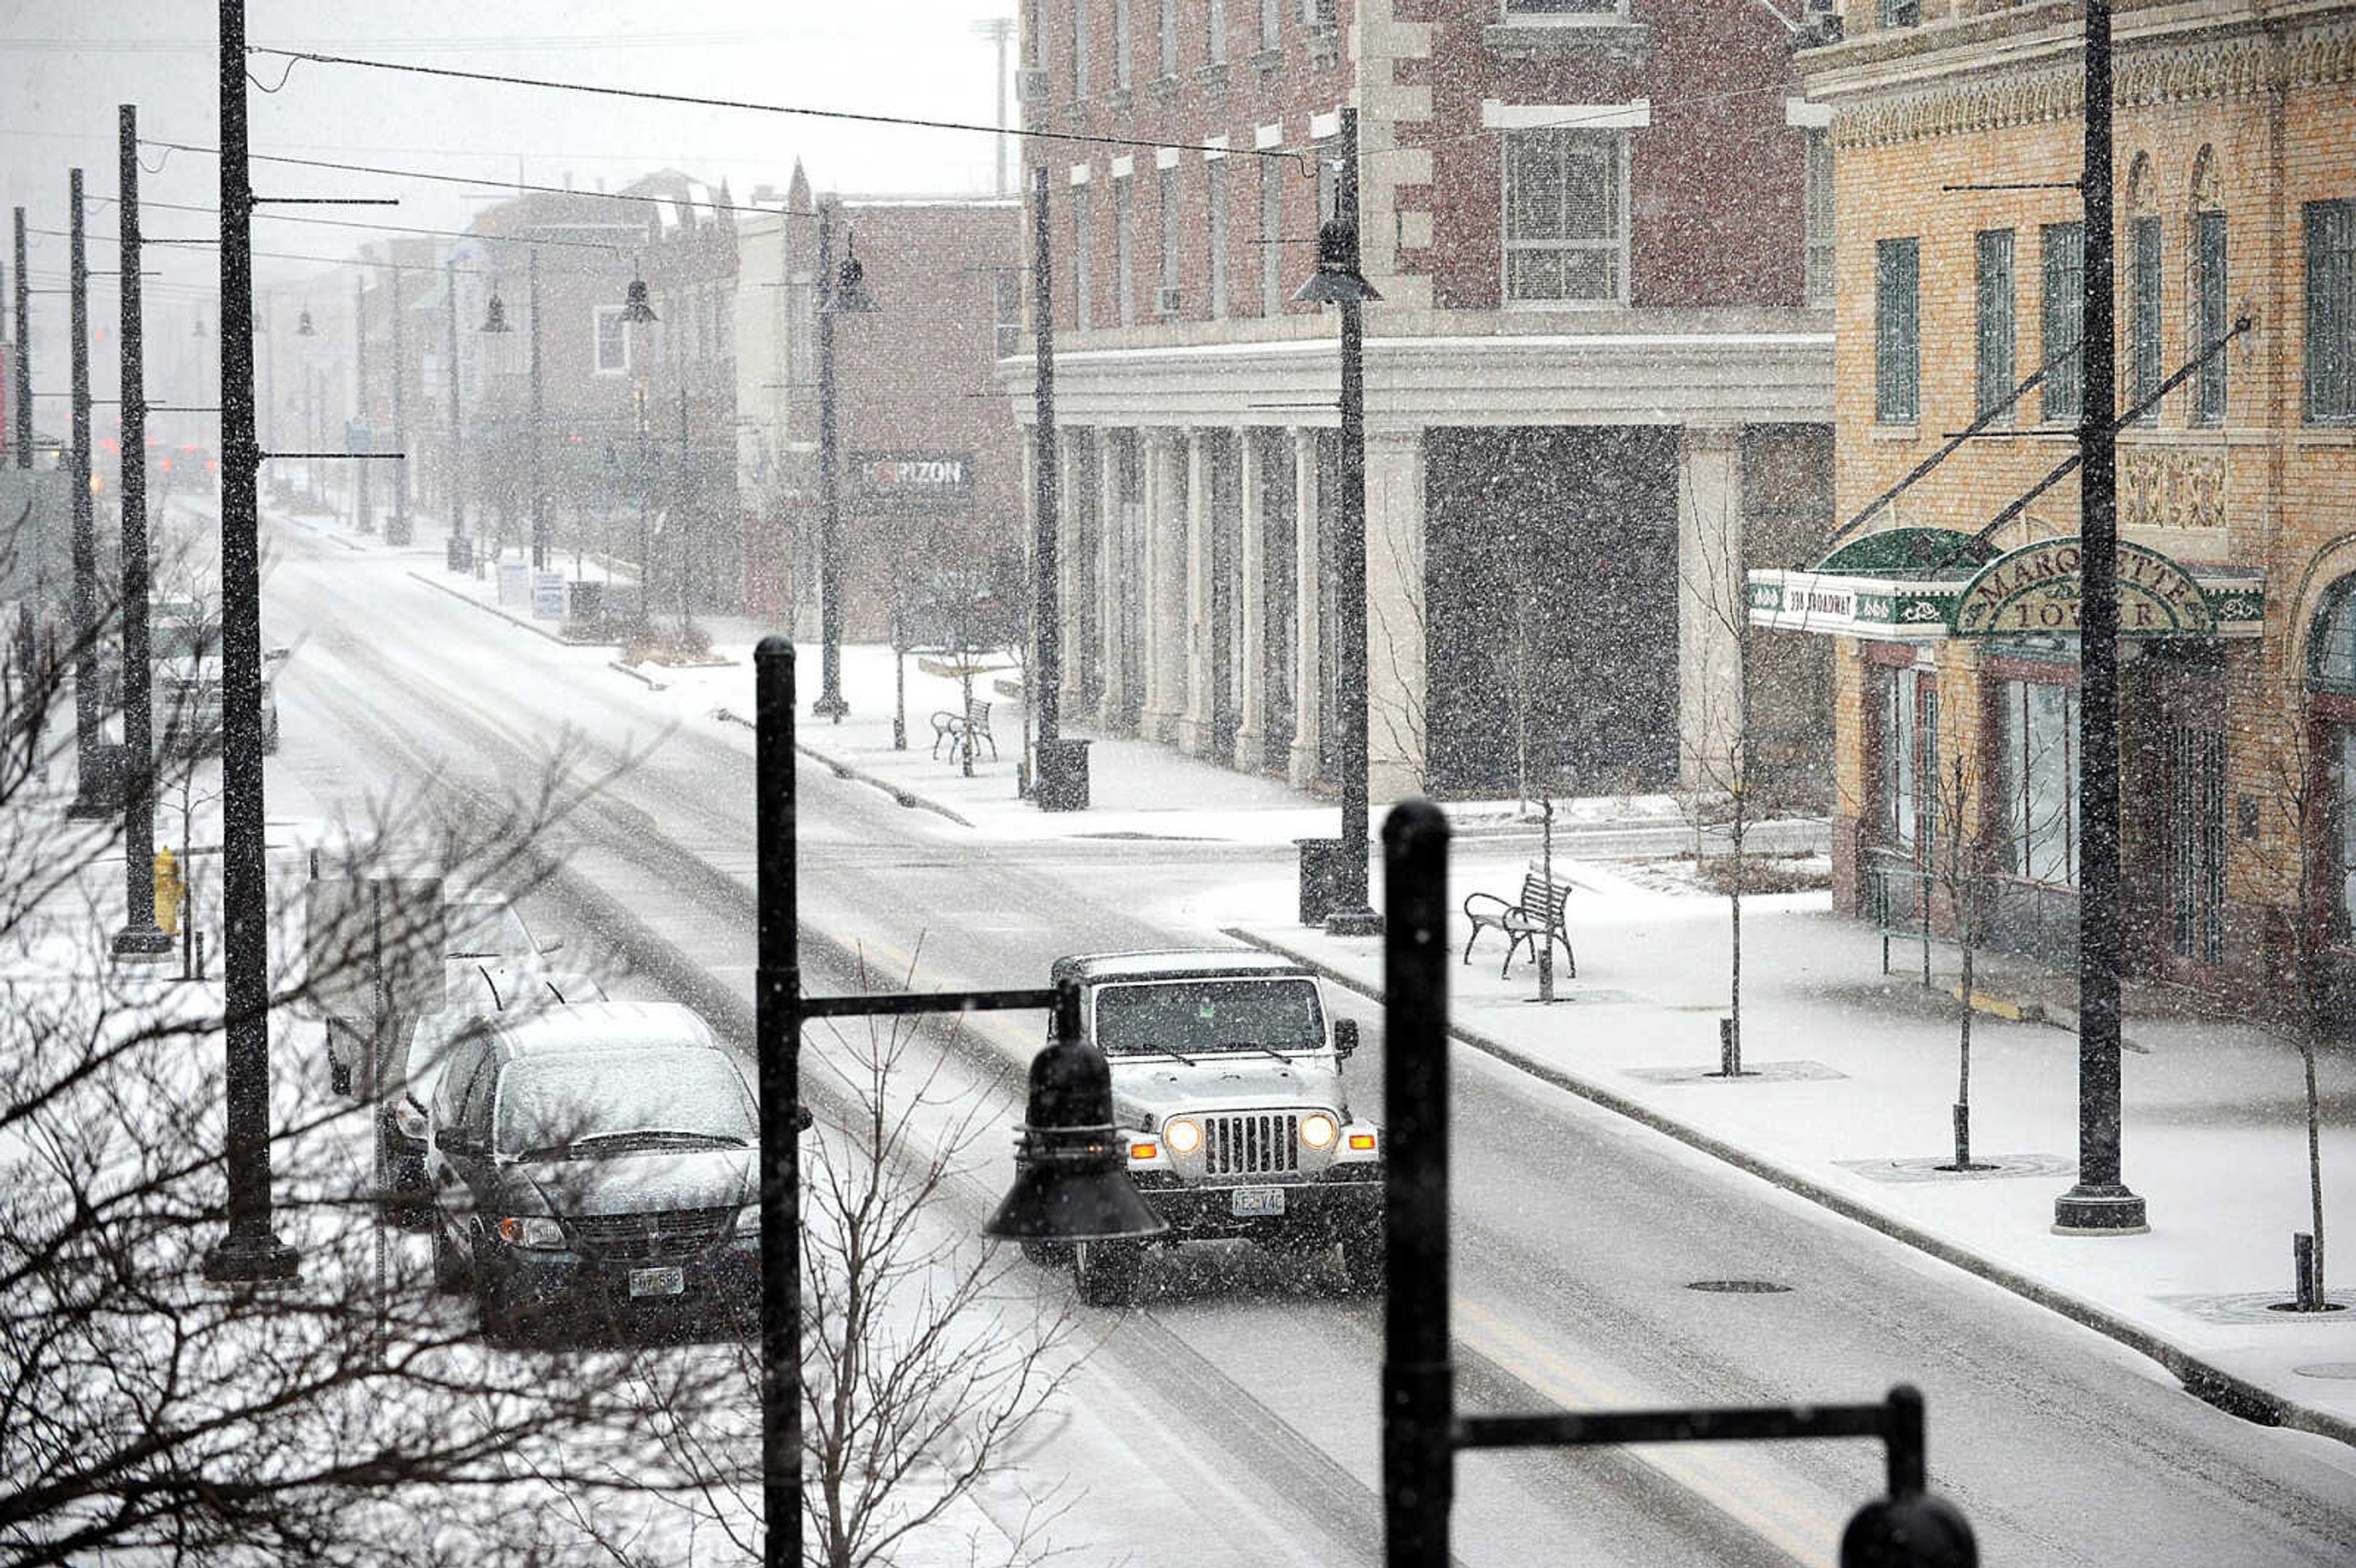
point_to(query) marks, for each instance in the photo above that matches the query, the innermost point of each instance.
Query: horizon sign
(910, 481)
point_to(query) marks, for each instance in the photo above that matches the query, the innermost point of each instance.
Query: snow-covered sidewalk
(1854, 1073)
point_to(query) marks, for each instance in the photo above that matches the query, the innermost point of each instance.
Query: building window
(1124, 248)
(613, 340)
(1219, 31)
(1271, 237)
(1082, 263)
(1910, 758)
(2039, 735)
(2332, 311)
(1080, 46)
(1818, 214)
(2143, 336)
(1999, 334)
(2061, 317)
(1565, 217)
(1123, 43)
(1215, 180)
(1006, 302)
(2208, 316)
(1171, 235)
(1900, 13)
(1897, 333)
(1170, 37)
(2331, 674)
(1271, 23)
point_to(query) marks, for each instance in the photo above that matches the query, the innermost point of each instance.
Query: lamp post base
(1360, 922)
(2106, 1209)
(830, 706)
(250, 1259)
(142, 943)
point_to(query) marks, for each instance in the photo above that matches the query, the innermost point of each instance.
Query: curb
(534, 628)
(2233, 1394)
(843, 770)
(649, 682)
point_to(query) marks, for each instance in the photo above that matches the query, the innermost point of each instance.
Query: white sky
(66, 64)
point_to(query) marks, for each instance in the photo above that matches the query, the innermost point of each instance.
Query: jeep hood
(1156, 1086)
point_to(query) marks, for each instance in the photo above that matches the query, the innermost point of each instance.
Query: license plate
(1256, 1200)
(657, 1281)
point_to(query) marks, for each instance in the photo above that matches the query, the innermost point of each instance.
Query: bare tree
(927, 1354)
(2294, 869)
(1715, 737)
(1960, 863)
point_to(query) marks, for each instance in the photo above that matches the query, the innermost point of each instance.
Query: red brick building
(930, 460)
(1598, 379)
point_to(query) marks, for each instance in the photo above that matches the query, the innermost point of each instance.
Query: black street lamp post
(2100, 1203)
(363, 505)
(457, 555)
(23, 391)
(538, 477)
(1349, 912)
(250, 1250)
(1062, 784)
(845, 293)
(140, 936)
(396, 527)
(1072, 1179)
(1910, 1528)
(94, 797)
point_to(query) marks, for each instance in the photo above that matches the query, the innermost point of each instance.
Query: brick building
(1953, 616)
(1598, 378)
(930, 459)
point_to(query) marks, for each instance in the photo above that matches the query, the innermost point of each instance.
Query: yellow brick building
(1953, 604)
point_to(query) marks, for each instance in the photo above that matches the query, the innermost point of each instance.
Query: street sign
(547, 595)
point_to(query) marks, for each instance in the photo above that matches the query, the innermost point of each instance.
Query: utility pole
(396, 530)
(140, 936)
(1060, 782)
(538, 482)
(91, 798)
(679, 512)
(365, 513)
(250, 1250)
(2100, 1204)
(1353, 913)
(458, 429)
(23, 391)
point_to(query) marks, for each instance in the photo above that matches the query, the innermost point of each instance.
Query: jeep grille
(1253, 1144)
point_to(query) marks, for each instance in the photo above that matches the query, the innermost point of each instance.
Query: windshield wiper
(652, 1138)
(1254, 1045)
(1183, 1059)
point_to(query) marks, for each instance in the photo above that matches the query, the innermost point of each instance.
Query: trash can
(1063, 775)
(585, 601)
(1324, 870)
(459, 555)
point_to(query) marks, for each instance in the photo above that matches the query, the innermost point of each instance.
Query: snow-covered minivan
(1227, 1091)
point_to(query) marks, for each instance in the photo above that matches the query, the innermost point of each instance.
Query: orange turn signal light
(1144, 1151)
(1361, 1140)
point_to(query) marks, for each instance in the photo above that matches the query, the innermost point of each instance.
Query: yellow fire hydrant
(169, 891)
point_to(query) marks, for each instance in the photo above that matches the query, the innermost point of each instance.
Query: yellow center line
(1741, 1489)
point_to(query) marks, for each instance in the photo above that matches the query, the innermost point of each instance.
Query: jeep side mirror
(1345, 1038)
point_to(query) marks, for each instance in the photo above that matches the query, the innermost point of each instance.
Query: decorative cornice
(2151, 71)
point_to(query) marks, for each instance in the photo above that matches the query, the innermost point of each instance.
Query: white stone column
(1110, 568)
(1165, 602)
(1251, 724)
(1307, 690)
(1070, 528)
(1194, 729)
(1398, 735)
(1710, 603)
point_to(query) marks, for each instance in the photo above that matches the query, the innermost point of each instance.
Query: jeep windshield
(1194, 1016)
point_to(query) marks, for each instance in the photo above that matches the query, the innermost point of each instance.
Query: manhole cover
(1740, 1286)
(2329, 1370)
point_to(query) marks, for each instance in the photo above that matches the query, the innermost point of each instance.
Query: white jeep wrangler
(1227, 1094)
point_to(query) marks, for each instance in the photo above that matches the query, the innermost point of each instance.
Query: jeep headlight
(1183, 1133)
(1318, 1130)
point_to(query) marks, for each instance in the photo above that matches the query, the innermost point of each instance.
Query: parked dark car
(593, 1163)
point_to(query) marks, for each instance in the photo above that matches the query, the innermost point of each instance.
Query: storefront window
(2040, 780)
(1910, 752)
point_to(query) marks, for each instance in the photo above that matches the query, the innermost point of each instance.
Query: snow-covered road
(1233, 1418)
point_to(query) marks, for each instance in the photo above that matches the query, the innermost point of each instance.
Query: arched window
(2147, 285)
(2332, 641)
(2207, 289)
(2332, 713)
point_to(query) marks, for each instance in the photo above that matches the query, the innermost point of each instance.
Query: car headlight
(1317, 1130)
(748, 1220)
(1183, 1135)
(535, 1231)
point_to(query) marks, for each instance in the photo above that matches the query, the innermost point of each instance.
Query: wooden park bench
(1536, 917)
(962, 729)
